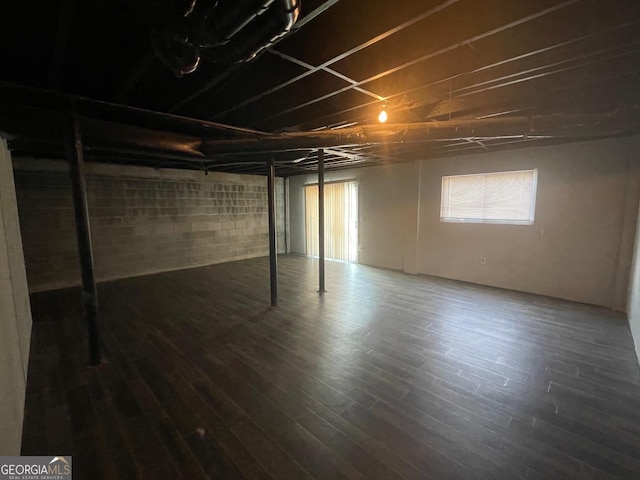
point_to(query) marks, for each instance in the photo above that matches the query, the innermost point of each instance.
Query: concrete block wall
(143, 220)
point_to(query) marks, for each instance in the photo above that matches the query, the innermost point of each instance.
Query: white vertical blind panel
(311, 219)
(338, 220)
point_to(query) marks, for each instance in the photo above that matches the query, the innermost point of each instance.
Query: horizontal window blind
(501, 197)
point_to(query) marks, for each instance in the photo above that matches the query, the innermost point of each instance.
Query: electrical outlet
(483, 260)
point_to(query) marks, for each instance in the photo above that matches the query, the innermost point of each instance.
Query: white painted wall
(579, 248)
(633, 308)
(572, 250)
(15, 314)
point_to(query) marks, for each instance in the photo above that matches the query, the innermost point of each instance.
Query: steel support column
(321, 218)
(75, 156)
(273, 239)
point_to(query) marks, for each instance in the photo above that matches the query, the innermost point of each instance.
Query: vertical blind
(339, 220)
(502, 197)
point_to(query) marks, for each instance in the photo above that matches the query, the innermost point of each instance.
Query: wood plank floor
(386, 376)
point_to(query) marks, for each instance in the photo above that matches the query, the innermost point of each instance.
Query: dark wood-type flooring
(386, 376)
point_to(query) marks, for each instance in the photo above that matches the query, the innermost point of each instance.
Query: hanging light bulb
(382, 116)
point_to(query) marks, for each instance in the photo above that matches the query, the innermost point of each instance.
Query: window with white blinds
(501, 197)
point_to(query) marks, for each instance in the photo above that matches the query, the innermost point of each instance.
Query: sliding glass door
(340, 220)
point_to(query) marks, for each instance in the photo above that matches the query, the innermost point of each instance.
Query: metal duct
(262, 32)
(234, 15)
(227, 31)
(175, 52)
(549, 126)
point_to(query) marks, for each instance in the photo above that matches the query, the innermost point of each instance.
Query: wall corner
(15, 313)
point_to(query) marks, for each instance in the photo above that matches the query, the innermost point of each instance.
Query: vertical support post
(321, 218)
(75, 157)
(273, 245)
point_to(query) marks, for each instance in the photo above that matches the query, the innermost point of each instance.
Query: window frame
(534, 194)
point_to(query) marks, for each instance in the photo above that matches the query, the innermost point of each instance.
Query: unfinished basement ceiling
(570, 65)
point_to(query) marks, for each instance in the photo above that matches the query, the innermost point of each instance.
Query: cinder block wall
(143, 220)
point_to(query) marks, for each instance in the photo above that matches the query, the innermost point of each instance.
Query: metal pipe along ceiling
(236, 16)
(225, 31)
(262, 32)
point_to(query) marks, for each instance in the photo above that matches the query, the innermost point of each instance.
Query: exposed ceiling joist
(208, 150)
(554, 70)
(65, 19)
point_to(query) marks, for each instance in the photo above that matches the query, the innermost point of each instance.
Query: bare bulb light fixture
(382, 116)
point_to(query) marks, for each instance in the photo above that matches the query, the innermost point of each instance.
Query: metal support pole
(273, 240)
(321, 217)
(75, 157)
